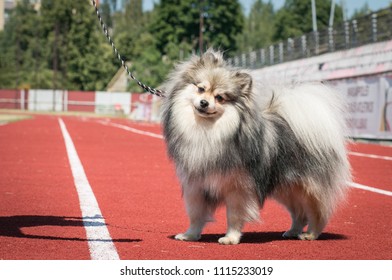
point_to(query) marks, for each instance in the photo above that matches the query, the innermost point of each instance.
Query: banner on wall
(46, 100)
(369, 112)
(110, 103)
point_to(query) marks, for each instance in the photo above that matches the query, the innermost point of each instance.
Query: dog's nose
(204, 103)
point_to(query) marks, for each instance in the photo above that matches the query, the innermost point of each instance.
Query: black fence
(372, 28)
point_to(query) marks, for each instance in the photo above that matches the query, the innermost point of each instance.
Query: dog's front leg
(235, 220)
(241, 207)
(199, 210)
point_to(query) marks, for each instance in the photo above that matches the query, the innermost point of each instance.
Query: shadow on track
(265, 237)
(11, 226)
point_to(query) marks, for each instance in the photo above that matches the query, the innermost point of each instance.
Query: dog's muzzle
(204, 103)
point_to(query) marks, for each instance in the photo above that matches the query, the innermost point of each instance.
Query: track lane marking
(131, 129)
(370, 156)
(371, 189)
(351, 184)
(100, 243)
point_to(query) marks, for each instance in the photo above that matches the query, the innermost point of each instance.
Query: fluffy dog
(235, 143)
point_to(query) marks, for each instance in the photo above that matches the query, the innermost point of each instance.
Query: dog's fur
(235, 143)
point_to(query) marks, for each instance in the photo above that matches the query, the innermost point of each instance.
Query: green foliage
(59, 47)
(363, 11)
(62, 45)
(154, 41)
(106, 13)
(178, 22)
(295, 18)
(259, 27)
(149, 66)
(138, 46)
(16, 46)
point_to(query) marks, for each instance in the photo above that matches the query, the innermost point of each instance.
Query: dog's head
(210, 85)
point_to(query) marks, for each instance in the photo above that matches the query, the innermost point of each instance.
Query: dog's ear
(245, 82)
(209, 58)
(212, 58)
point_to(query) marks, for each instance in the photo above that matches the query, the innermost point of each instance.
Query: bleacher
(355, 58)
(370, 29)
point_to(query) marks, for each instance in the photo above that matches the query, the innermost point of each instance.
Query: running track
(127, 203)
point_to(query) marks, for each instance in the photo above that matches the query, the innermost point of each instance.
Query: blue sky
(351, 5)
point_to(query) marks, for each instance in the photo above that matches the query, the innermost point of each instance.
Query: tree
(178, 22)
(259, 27)
(224, 21)
(295, 18)
(77, 51)
(148, 67)
(106, 13)
(363, 11)
(60, 46)
(128, 27)
(18, 46)
(138, 46)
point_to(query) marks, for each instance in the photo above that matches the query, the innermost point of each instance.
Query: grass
(7, 118)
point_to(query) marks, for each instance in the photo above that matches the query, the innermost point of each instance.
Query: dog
(237, 143)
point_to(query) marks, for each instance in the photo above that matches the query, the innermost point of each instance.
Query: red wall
(12, 94)
(81, 96)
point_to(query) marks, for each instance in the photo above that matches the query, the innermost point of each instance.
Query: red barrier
(81, 101)
(10, 99)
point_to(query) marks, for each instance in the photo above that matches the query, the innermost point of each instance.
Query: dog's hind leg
(200, 211)
(293, 199)
(298, 222)
(317, 217)
(304, 209)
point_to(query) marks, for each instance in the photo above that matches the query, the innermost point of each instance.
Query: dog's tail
(315, 113)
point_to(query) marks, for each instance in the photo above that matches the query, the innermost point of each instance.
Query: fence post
(262, 56)
(252, 59)
(243, 60)
(347, 34)
(316, 42)
(330, 39)
(374, 27)
(271, 53)
(290, 48)
(303, 45)
(281, 54)
(236, 61)
(355, 32)
(22, 99)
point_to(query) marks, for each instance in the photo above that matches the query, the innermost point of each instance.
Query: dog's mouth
(204, 113)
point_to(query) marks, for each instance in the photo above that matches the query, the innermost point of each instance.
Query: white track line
(134, 130)
(370, 156)
(371, 189)
(353, 185)
(99, 241)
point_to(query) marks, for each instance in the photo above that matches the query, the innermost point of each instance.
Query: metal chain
(151, 90)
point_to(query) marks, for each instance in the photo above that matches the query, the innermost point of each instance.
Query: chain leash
(151, 90)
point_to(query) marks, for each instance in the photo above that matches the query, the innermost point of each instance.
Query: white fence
(139, 107)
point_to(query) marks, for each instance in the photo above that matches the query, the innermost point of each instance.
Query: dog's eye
(219, 98)
(201, 89)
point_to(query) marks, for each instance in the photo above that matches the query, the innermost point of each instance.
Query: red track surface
(140, 198)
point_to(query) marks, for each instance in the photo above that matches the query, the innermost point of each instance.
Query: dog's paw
(187, 237)
(291, 234)
(307, 236)
(229, 240)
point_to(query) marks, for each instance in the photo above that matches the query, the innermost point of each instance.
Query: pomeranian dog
(236, 143)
